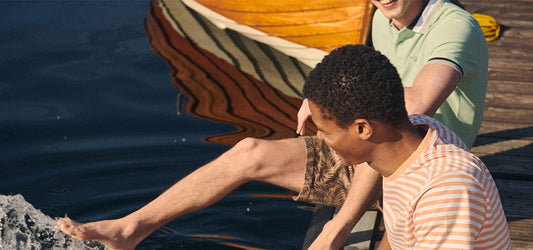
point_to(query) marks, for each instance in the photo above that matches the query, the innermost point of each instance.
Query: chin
(347, 162)
(350, 162)
(353, 160)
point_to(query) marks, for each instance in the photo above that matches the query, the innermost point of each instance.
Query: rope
(489, 26)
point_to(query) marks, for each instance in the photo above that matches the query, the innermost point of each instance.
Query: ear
(363, 128)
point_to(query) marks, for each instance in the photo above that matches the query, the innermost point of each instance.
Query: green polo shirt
(443, 33)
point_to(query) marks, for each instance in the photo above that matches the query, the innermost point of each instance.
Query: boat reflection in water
(238, 78)
(243, 73)
(218, 90)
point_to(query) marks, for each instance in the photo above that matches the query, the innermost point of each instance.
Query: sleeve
(459, 40)
(450, 213)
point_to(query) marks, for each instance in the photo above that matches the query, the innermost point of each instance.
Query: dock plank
(505, 129)
(516, 115)
(517, 198)
(505, 139)
(520, 231)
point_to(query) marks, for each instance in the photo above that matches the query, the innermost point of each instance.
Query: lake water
(92, 126)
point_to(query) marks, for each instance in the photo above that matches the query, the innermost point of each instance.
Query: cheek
(334, 142)
(350, 151)
(346, 157)
(341, 146)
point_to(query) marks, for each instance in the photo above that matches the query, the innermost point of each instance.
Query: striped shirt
(443, 197)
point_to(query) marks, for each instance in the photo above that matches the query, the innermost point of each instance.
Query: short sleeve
(460, 41)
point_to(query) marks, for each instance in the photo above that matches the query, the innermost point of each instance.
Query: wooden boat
(296, 27)
(253, 36)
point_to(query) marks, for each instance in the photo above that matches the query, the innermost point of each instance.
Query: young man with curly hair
(441, 56)
(435, 193)
(401, 29)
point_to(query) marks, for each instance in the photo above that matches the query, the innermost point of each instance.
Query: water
(89, 128)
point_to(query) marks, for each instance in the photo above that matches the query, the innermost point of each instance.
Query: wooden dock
(505, 140)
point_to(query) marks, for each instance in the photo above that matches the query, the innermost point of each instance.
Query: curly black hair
(356, 82)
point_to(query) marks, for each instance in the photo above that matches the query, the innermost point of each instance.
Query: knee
(250, 152)
(258, 159)
(248, 149)
(247, 144)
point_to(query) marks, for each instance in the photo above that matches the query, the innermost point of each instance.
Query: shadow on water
(89, 126)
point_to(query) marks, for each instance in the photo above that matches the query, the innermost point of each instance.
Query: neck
(410, 15)
(390, 155)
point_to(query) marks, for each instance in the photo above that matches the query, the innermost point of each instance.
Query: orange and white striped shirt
(443, 197)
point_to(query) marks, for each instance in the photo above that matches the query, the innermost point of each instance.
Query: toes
(68, 226)
(64, 225)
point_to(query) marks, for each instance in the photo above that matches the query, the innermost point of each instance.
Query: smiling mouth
(383, 2)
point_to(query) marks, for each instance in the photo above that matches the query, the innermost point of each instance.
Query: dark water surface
(89, 128)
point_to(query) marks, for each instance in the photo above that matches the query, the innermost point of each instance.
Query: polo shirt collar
(426, 17)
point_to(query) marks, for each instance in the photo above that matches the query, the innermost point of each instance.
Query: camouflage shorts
(326, 179)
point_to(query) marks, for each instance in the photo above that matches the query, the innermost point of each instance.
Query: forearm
(433, 84)
(417, 103)
(384, 243)
(364, 191)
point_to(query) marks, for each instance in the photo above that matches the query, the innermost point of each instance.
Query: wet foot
(110, 233)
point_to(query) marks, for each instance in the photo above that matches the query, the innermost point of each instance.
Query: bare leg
(281, 163)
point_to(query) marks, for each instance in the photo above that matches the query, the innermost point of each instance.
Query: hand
(303, 114)
(332, 237)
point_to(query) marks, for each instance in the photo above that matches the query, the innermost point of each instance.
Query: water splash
(24, 227)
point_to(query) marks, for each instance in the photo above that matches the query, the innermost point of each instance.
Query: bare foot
(109, 232)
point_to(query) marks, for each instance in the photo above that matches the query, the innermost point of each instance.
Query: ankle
(129, 230)
(135, 230)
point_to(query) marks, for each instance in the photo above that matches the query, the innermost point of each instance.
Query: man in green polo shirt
(441, 56)
(442, 34)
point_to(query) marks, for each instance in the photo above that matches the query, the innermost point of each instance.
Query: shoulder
(453, 13)
(455, 23)
(444, 136)
(446, 152)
